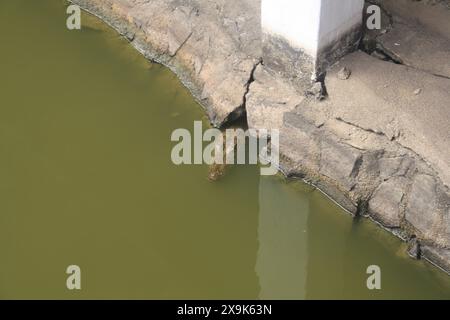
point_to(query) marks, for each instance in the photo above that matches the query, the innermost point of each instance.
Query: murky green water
(86, 179)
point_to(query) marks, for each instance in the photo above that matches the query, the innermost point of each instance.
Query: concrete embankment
(378, 144)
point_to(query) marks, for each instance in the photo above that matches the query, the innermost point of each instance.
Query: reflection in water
(309, 248)
(281, 264)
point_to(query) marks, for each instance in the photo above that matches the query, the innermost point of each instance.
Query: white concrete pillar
(303, 37)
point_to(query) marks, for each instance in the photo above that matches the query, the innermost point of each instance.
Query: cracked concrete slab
(424, 211)
(418, 47)
(431, 14)
(386, 202)
(381, 96)
(268, 95)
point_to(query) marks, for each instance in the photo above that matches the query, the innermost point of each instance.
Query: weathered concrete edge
(329, 55)
(427, 252)
(146, 51)
(138, 39)
(327, 188)
(299, 66)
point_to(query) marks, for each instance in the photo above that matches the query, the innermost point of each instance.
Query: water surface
(86, 179)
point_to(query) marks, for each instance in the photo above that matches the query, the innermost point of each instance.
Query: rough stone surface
(379, 97)
(437, 256)
(386, 203)
(434, 15)
(269, 95)
(344, 73)
(316, 91)
(417, 47)
(340, 162)
(424, 211)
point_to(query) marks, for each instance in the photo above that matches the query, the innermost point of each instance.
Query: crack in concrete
(395, 140)
(181, 45)
(379, 133)
(251, 79)
(241, 111)
(379, 48)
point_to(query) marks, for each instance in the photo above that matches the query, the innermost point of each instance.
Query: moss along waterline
(86, 179)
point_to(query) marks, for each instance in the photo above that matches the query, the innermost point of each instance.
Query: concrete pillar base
(279, 55)
(301, 39)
